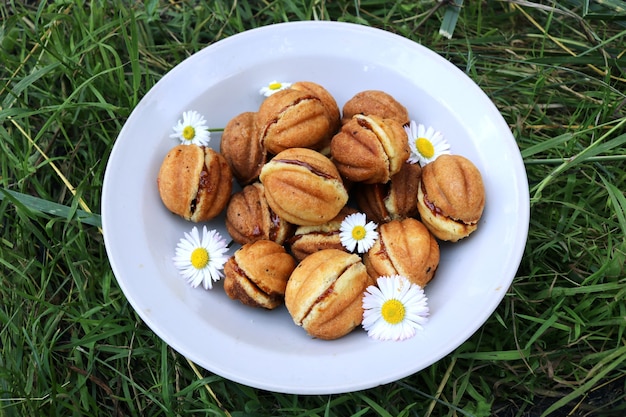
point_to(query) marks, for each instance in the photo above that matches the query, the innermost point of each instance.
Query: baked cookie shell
(375, 102)
(257, 274)
(324, 293)
(194, 182)
(178, 178)
(241, 147)
(393, 200)
(404, 247)
(310, 239)
(303, 187)
(329, 102)
(293, 119)
(370, 149)
(250, 218)
(442, 227)
(454, 185)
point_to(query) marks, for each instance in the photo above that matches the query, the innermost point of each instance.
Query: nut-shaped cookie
(404, 247)
(378, 103)
(326, 98)
(249, 218)
(293, 119)
(257, 274)
(451, 197)
(310, 239)
(303, 187)
(242, 148)
(394, 200)
(194, 182)
(324, 294)
(370, 149)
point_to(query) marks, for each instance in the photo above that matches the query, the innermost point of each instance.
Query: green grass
(73, 71)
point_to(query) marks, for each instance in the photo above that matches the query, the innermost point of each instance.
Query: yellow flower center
(199, 258)
(392, 311)
(189, 132)
(358, 232)
(275, 86)
(425, 147)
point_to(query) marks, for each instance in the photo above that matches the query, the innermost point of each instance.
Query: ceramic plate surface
(264, 349)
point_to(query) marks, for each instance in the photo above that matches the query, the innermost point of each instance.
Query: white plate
(264, 349)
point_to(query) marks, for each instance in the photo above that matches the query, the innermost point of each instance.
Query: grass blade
(39, 205)
(610, 362)
(594, 149)
(619, 203)
(450, 18)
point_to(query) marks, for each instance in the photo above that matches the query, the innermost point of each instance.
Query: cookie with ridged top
(375, 102)
(404, 247)
(325, 291)
(257, 274)
(394, 200)
(194, 182)
(293, 119)
(303, 187)
(241, 147)
(249, 218)
(370, 149)
(451, 197)
(310, 239)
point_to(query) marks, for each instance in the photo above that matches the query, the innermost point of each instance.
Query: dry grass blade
(558, 41)
(56, 169)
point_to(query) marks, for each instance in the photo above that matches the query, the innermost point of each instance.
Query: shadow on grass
(608, 400)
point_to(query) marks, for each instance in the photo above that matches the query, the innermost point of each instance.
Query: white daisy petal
(192, 129)
(386, 286)
(373, 297)
(356, 232)
(407, 332)
(205, 266)
(394, 309)
(194, 278)
(426, 144)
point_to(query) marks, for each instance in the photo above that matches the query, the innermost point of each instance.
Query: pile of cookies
(303, 167)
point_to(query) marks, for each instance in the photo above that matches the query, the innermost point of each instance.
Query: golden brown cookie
(394, 200)
(293, 119)
(325, 97)
(404, 247)
(324, 293)
(249, 218)
(378, 103)
(370, 149)
(257, 274)
(310, 239)
(194, 182)
(241, 146)
(451, 197)
(303, 187)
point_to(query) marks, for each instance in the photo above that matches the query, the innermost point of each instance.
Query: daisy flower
(394, 309)
(201, 259)
(192, 129)
(426, 144)
(355, 232)
(273, 87)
